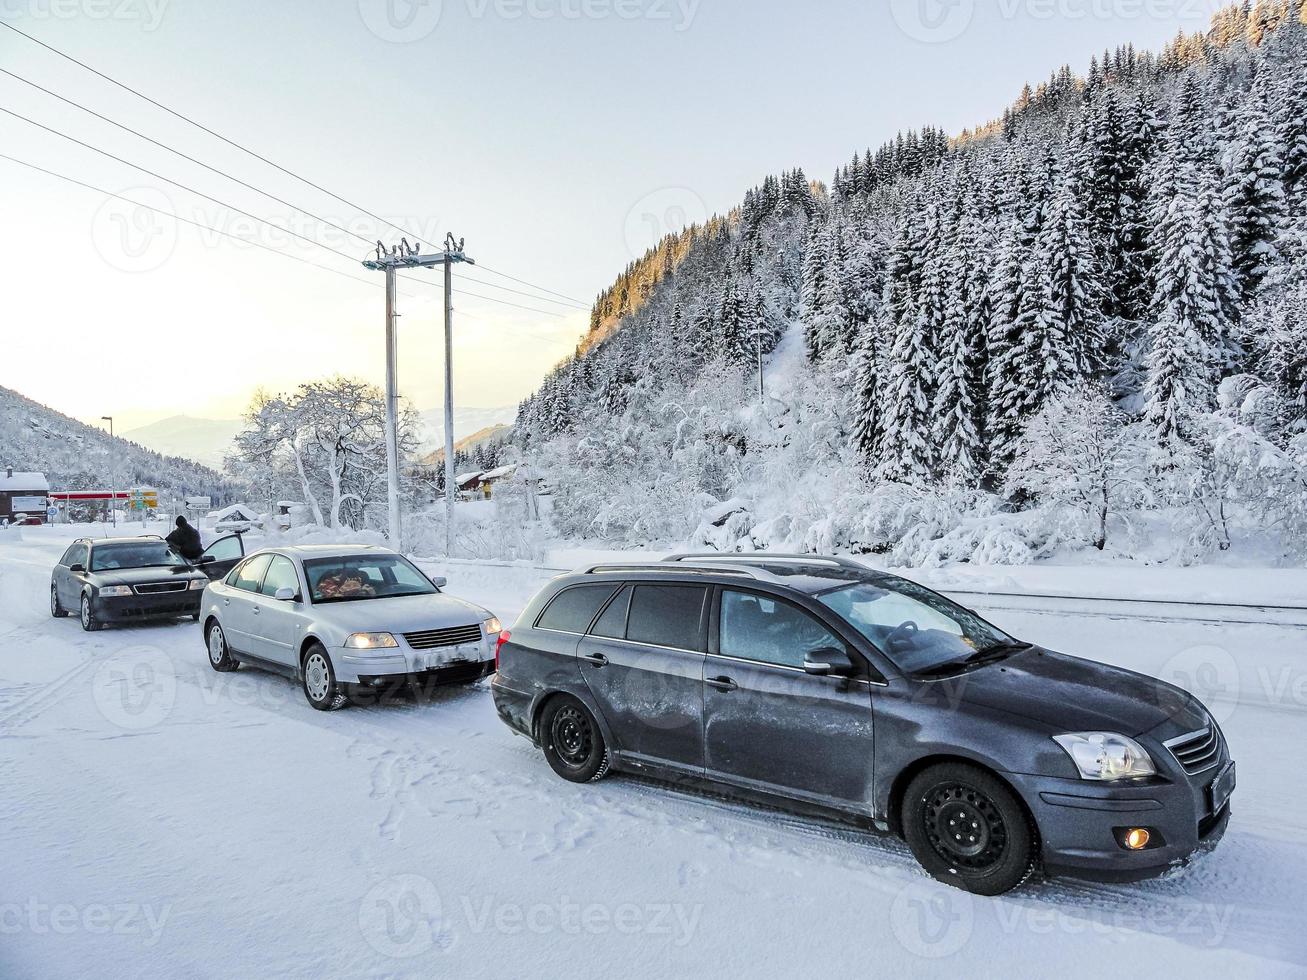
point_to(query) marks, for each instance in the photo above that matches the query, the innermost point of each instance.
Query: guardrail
(1046, 603)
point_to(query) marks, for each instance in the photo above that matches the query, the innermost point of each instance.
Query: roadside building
(23, 496)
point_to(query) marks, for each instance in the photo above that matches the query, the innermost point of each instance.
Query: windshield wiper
(977, 658)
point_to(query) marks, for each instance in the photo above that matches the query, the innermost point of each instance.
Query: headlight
(109, 591)
(198, 583)
(1106, 755)
(370, 641)
(492, 626)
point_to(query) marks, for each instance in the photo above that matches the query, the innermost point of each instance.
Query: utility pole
(113, 490)
(406, 256)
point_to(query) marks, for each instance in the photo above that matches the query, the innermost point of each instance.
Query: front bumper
(1078, 820)
(143, 608)
(374, 669)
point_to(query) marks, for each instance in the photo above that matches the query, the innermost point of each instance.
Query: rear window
(666, 616)
(572, 609)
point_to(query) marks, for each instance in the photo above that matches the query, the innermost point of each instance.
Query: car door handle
(722, 683)
(596, 659)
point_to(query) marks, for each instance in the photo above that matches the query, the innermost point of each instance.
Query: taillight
(504, 637)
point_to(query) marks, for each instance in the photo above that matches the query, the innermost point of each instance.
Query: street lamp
(113, 490)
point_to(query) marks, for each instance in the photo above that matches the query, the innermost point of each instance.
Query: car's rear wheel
(319, 680)
(967, 828)
(56, 610)
(573, 744)
(89, 622)
(220, 658)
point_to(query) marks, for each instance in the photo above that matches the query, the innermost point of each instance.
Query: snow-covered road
(159, 819)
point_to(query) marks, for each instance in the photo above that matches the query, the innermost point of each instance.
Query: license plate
(1221, 788)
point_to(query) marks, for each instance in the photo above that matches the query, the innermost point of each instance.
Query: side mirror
(77, 567)
(439, 581)
(205, 560)
(828, 662)
(285, 595)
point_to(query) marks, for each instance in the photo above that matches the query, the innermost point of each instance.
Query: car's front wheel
(573, 744)
(89, 622)
(56, 610)
(967, 828)
(319, 680)
(220, 658)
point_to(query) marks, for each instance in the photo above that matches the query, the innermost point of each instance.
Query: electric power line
(163, 146)
(259, 245)
(263, 159)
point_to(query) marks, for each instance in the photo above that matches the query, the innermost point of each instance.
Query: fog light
(1136, 839)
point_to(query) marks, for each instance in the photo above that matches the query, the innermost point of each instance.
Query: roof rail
(763, 557)
(658, 566)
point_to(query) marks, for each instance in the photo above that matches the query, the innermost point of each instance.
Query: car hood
(401, 614)
(141, 576)
(1068, 694)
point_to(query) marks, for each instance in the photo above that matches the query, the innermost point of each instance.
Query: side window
(226, 549)
(67, 559)
(248, 574)
(281, 575)
(770, 631)
(612, 622)
(666, 616)
(80, 554)
(572, 610)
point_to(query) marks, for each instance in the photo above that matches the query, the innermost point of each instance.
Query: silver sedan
(336, 616)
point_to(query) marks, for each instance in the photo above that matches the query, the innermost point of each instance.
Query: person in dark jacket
(186, 540)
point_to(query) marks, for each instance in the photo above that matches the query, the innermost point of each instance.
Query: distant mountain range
(76, 456)
(208, 441)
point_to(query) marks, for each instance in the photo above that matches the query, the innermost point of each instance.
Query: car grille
(155, 588)
(1197, 751)
(452, 637)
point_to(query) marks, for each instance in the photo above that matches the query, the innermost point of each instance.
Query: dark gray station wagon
(824, 686)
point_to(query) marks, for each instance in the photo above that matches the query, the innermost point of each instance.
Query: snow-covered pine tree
(1254, 188)
(1189, 328)
(960, 397)
(813, 287)
(908, 374)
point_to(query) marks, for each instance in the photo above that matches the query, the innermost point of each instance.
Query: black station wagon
(825, 686)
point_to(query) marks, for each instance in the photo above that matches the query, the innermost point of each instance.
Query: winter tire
(573, 744)
(56, 610)
(967, 828)
(220, 658)
(89, 622)
(318, 679)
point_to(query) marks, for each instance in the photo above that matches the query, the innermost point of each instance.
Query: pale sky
(559, 137)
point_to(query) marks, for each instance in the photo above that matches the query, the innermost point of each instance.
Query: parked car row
(808, 682)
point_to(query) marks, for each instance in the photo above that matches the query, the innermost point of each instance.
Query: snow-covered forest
(1083, 325)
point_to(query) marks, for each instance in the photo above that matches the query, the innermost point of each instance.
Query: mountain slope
(1117, 266)
(207, 441)
(73, 455)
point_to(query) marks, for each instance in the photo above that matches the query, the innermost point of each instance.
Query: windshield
(917, 629)
(356, 577)
(149, 554)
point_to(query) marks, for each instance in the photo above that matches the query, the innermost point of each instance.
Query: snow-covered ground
(159, 819)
